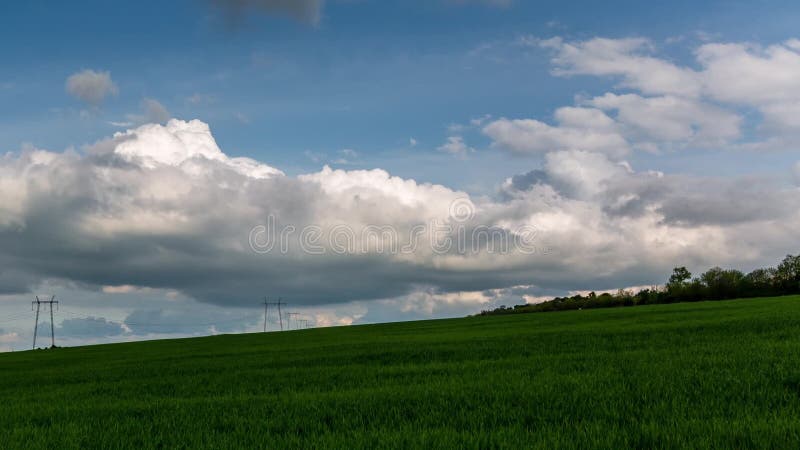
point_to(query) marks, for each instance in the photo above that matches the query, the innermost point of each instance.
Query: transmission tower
(39, 304)
(267, 304)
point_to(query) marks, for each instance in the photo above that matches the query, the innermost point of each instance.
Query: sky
(154, 156)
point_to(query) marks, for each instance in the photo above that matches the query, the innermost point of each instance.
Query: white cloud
(163, 208)
(782, 117)
(90, 86)
(456, 146)
(352, 190)
(732, 74)
(124, 289)
(671, 119)
(582, 174)
(179, 144)
(578, 128)
(629, 59)
(749, 74)
(737, 73)
(121, 124)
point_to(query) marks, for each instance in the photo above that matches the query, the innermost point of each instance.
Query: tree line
(715, 284)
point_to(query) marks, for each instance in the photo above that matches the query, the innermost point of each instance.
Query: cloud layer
(163, 207)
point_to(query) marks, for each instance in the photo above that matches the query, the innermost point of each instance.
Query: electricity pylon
(38, 304)
(267, 304)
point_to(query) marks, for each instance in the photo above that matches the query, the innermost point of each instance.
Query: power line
(164, 324)
(266, 312)
(53, 304)
(13, 317)
(289, 319)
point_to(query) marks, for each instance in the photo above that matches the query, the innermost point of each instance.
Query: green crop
(701, 375)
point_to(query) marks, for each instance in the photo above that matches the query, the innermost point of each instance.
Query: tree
(788, 274)
(714, 284)
(676, 286)
(761, 277)
(679, 276)
(760, 282)
(722, 283)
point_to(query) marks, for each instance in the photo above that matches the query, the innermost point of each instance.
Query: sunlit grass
(715, 374)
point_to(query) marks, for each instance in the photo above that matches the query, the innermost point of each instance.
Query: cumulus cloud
(303, 10)
(162, 207)
(750, 74)
(655, 121)
(674, 107)
(765, 78)
(615, 124)
(631, 59)
(577, 128)
(676, 200)
(90, 86)
(730, 74)
(177, 144)
(171, 192)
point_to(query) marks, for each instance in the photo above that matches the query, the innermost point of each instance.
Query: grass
(702, 375)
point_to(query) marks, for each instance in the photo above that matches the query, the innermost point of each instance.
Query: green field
(704, 375)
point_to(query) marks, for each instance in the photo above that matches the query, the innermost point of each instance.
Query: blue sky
(632, 136)
(369, 76)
